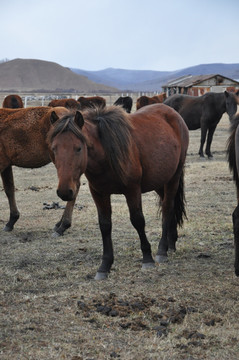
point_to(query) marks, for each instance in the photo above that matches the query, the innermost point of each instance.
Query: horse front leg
(104, 210)
(66, 219)
(209, 142)
(235, 218)
(8, 185)
(203, 139)
(137, 219)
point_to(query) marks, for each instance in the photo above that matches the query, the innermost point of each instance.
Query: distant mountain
(27, 75)
(147, 80)
(124, 79)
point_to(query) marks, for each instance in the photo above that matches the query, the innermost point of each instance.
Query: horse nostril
(71, 194)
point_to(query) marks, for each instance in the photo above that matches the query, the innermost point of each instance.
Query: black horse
(126, 102)
(204, 112)
(233, 160)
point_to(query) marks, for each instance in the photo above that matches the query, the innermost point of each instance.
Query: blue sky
(127, 34)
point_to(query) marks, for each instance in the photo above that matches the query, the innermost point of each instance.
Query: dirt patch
(52, 308)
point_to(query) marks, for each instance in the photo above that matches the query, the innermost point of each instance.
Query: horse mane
(231, 153)
(114, 131)
(66, 123)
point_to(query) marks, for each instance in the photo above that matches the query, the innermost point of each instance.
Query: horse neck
(96, 154)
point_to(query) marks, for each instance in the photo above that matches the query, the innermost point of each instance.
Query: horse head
(232, 100)
(69, 152)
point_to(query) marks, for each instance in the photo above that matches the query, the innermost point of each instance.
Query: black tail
(180, 202)
(231, 151)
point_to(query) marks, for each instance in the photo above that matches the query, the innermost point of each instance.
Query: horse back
(207, 108)
(23, 135)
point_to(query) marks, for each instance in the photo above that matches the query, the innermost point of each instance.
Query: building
(199, 85)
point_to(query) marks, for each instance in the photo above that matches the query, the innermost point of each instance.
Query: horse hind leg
(173, 211)
(138, 221)
(169, 235)
(8, 185)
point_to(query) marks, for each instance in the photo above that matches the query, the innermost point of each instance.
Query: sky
(163, 35)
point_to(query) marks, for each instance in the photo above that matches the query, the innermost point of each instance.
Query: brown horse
(23, 143)
(68, 103)
(92, 101)
(128, 154)
(146, 100)
(233, 159)
(12, 102)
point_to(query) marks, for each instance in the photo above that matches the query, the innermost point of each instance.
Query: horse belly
(159, 168)
(31, 158)
(192, 119)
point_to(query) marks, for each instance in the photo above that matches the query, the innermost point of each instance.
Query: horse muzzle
(66, 195)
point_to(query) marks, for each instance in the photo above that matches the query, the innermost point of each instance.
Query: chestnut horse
(128, 154)
(146, 100)
(233, 160)
(23, 143)
(68, 103)
(12, 102)
(92, 101)
(204, 112)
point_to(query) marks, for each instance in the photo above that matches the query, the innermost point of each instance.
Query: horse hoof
(55, 234)
(149, 265)
(161, 259)
(7, 228)
(171, 251)
(101, 275)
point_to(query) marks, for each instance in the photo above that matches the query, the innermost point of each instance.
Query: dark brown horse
(23, 143)
(12, 102)
(146, 100)
(204, 112)
(68, 103)
(91, 101)
(126, 154)
(126, 102)
(233, 159)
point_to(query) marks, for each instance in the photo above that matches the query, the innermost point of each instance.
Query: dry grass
(51, 308)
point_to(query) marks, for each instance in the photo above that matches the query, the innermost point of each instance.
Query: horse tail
(231, 150)
(180, 201)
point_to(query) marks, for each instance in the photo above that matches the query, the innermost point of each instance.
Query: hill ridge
(39, 75)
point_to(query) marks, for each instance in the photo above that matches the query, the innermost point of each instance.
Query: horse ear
(53, 117)
(79, 120)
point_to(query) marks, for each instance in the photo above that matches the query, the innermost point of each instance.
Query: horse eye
(78, 150)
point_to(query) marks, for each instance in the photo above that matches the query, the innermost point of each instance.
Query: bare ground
(52, 308)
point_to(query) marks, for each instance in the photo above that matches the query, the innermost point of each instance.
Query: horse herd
(120, 153)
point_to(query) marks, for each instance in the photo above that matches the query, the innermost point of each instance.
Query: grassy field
(52, 308)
